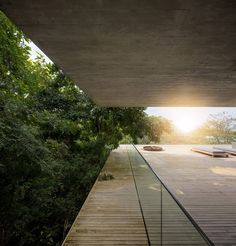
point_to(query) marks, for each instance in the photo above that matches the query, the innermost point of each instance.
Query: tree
(154, 128)
(219, 128)
(53, 143)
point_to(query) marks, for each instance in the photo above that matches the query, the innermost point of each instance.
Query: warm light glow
(228, 171)
(186, 124)
(186, 119)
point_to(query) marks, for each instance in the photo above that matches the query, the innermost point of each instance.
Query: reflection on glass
(165, 222)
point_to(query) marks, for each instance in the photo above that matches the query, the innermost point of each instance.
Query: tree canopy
(53, 142)
(218, 129)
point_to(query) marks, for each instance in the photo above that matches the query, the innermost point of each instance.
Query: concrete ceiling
(138, 52)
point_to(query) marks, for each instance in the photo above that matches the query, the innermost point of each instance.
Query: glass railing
(166, 221)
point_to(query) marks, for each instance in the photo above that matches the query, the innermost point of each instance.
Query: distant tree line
(218, 129)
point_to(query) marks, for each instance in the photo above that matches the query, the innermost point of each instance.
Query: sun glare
(185, 124)
(186, 120)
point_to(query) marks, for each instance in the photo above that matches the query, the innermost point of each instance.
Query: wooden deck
(204, 185)
(131, 209)
(166, 224)
(111, 214)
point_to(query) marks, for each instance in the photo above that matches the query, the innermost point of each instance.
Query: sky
(187, 119)
(35, 51)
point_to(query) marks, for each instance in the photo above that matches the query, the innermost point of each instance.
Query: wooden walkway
(131, 209)
(111, 214)
(204, 185)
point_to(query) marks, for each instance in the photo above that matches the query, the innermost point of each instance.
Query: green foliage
(105, 176)
(218, 129)
(153, 129)
(53, 144)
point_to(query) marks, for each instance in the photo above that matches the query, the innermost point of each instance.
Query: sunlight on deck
(228, 171)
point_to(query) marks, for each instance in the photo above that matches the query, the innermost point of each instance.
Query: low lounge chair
(210, 152)
(230, 151)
